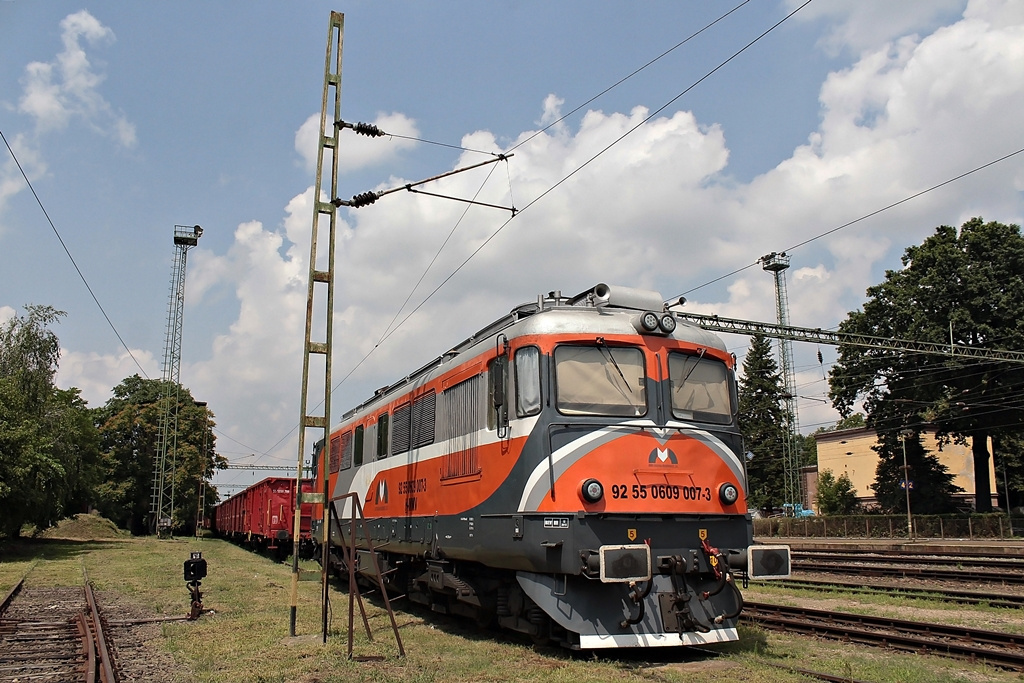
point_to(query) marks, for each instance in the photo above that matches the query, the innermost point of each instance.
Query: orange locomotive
(572, 471)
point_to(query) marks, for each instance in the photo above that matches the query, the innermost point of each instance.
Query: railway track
(1008, 601)
(53, 634)
(868, 567)
(997, 649)
(893, 557)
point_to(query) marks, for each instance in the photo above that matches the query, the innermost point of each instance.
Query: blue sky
(129, 121)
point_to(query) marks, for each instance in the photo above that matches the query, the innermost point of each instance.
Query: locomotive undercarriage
(683, 603)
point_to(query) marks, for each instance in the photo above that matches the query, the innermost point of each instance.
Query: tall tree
(129, 429)
(1009, 462)
(962, 286)
(930, 482)
(762, 422)
(47, 441)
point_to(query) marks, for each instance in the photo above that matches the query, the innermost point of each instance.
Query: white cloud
(856, 25)
(552, 110)
(97, 374)
(55, 92)
(359, 151)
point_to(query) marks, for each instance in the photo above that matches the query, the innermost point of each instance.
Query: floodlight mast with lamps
(162, 500)
(777, 264)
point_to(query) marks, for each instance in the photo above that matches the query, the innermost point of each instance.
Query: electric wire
(604, 92)
(441, 144)
(386, 334)
(437, 255)
(541, 131)
(85, 281)
(593, 158)
(67, 251)
(862, 218)
(631, 74)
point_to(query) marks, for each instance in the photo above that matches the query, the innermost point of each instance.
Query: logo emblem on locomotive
(662, 455)
(381, 497)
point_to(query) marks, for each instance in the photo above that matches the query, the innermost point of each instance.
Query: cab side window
(382, 436)
(527, 381)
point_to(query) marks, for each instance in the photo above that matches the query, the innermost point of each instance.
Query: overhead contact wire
(434, 259)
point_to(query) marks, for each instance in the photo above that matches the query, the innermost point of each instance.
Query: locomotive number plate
(661, 492)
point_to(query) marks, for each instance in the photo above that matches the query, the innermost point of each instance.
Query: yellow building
(850, 452)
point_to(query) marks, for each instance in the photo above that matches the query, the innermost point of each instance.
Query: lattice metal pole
(162, 500)
(320, 394)
(777, 264)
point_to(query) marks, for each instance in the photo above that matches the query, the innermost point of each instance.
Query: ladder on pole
(321, 277)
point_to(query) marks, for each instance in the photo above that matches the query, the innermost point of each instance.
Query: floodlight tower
(162, 500)
(777, 264)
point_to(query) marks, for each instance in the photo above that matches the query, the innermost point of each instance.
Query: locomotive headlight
(649, 321)
(592, 491)
(667, 323)
(728, 493)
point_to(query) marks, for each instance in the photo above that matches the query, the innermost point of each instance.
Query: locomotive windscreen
(700, 388)
(600, 380)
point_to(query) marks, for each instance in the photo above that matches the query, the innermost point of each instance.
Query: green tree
(1009, 462)
(47, 441)
(849, 422)
(931, 484)
(762, 424)
(964, 286)
(808, 450)
(836, 496)
(129, 426)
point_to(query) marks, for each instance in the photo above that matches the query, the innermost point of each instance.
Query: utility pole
(201, 510)
(161, 506)
(904, 435)
(777, 264)
(321, 272)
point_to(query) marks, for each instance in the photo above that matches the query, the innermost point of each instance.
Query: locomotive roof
(601, 310)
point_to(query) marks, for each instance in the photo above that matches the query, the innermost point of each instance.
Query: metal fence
(892, 526)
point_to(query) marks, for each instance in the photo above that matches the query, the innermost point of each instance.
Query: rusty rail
(961, 597)
(103, 664)
(998, 649)
(13, 593)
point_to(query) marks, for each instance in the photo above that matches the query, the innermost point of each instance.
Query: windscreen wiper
(700, 354)
(603, 345)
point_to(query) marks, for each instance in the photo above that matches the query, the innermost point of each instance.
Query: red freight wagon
(263, 515)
